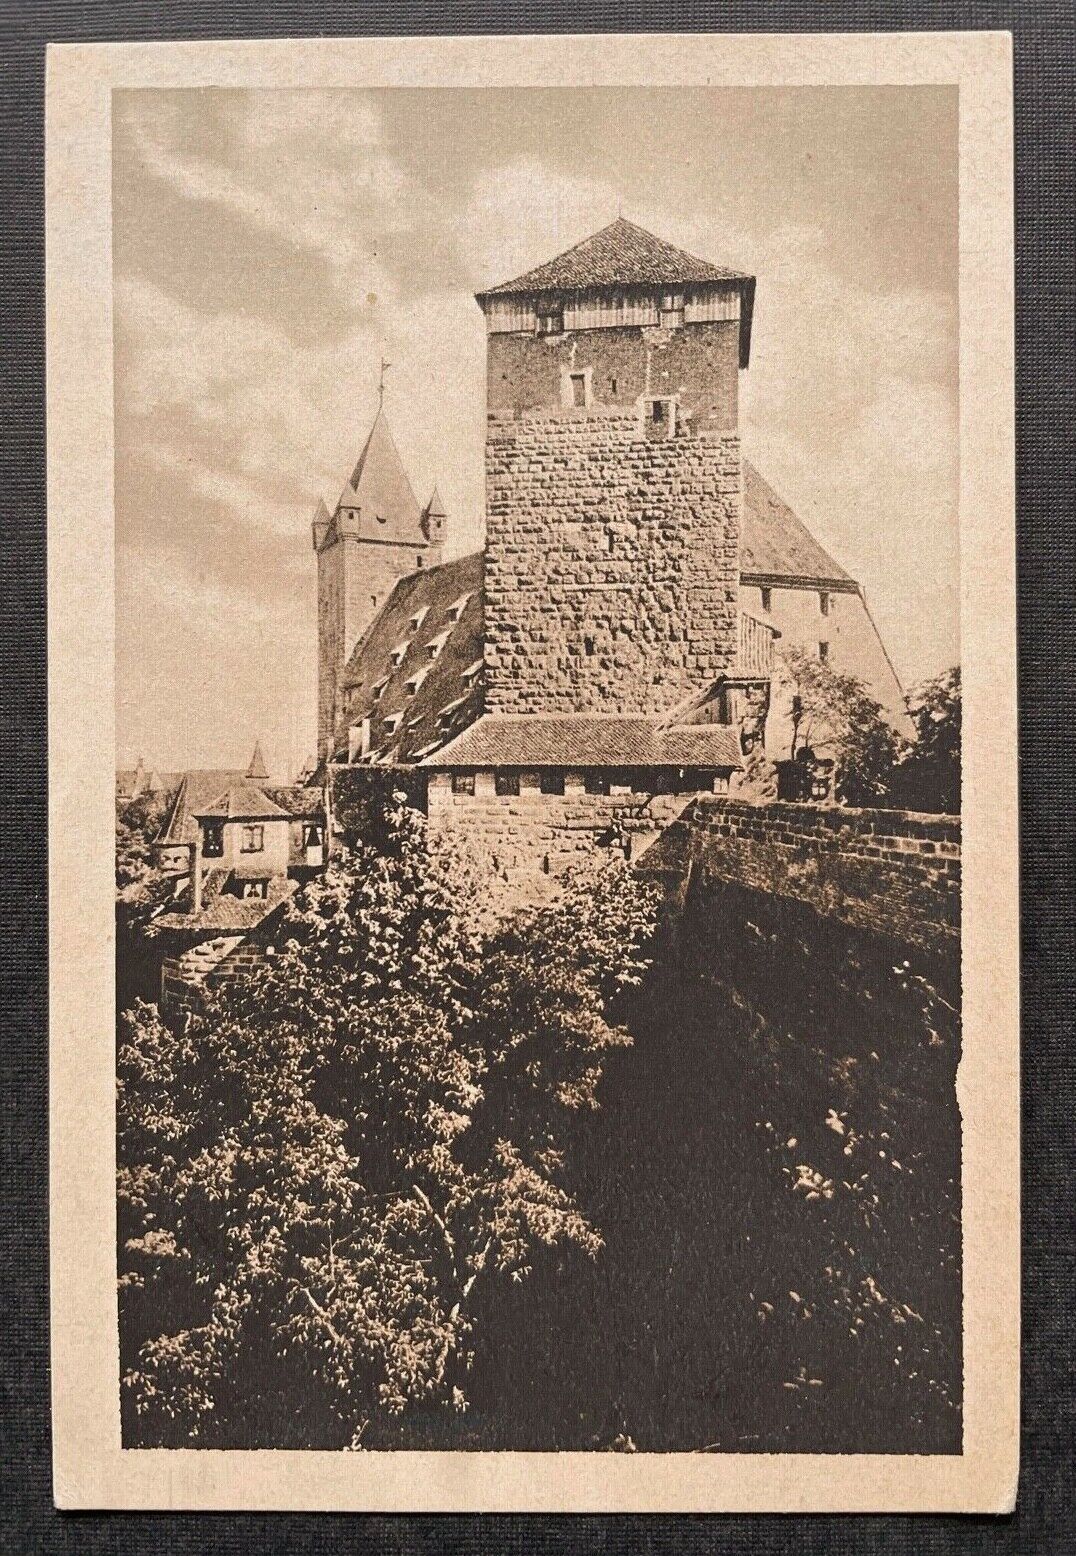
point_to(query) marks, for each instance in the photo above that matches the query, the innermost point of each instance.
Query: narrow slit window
(823, 602)
(823, 651)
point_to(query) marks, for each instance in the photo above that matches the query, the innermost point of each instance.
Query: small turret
(433, 519)
(257, 768)
(320, 525)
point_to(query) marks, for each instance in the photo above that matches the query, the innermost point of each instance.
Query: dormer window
(392, 722)
(419, 617)
(258, 889)
(457, 608)
(550, 319)
(435, 645)
(415, 680)
(378, 689)
(399, 653)
(472, 670)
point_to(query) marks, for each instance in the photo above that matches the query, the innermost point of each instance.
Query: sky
(270, 247)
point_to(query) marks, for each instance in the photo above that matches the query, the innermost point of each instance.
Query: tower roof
(379, 488)
(435, 507)
(621, 254)
(257, 768)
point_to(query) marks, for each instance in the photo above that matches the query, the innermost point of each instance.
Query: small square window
(551, 781)
(506, 783)
(463, 783)
(551, 321)
(253, 839)
(595, 783)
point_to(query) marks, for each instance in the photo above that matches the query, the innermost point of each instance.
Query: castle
(616, 634)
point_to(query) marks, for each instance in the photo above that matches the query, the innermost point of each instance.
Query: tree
(138, 822)
(835, 718)
(318, 1174)
(930, 774)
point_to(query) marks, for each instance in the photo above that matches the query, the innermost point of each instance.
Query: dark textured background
(1045, 49)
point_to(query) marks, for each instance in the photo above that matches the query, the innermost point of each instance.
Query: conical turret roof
(257, 768)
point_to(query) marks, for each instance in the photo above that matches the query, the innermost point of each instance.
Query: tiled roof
(431, 593)
(587, 740)
(222, 910)
(621, 254)
(777, 544)
(201, 788)
(242, 801)
(297, 799)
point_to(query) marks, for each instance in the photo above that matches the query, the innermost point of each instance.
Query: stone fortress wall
(611, 561)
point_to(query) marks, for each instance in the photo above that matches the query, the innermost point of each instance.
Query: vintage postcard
(533, 774)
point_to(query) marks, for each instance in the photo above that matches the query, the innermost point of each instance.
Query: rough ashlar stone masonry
(611, 562)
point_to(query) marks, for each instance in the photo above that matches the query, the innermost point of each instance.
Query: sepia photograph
(539, 974)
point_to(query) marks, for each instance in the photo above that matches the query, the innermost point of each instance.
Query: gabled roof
(198, 788)
(372, 667)
(621, 254)
(775, 544)
(201, 789)
(587, 740)
(242, 801)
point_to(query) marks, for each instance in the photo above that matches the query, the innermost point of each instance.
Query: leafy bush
(929, 777)
(834, 716)
(317, 1175)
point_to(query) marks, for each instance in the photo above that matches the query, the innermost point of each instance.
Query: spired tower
(376, 535)
(613, 477)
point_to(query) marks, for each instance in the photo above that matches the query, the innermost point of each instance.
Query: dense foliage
(930, 775)
(835, 719)
(833, 715)
(138, 822)
(319, 1176)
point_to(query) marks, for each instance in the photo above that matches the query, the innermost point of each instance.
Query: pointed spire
(257, 768)
(435, 508)
(320, 523)
(379, 487)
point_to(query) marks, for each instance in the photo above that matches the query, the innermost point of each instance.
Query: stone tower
(613, 477)
(376, 535)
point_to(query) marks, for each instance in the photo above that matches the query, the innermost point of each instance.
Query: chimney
(196, 873)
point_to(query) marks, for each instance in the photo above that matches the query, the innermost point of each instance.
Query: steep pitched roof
(242, 801)
(257, 768)
(776, 544)
(198, 788)
(621, 254)
(380, 490)
(408, 637)
(587, 740)
(222, 910)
